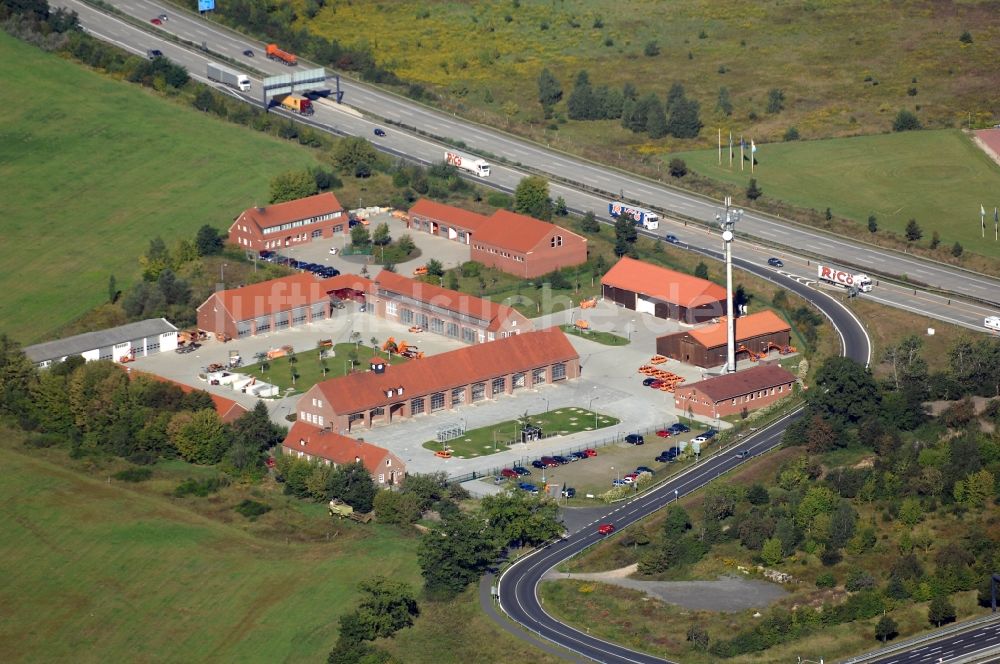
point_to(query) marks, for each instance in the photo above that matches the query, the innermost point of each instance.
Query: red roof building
(756, 336)
(289, 224)
(663, 293)
(227, 409)
(457, 315)
(445, 220)
(325, 446)
(440, 382)
(277, 304)
(734, 393)
(525, 246)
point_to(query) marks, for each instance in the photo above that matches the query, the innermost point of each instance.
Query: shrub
(652, 49)
(252, 509)
(678, 168)
(826, 580)
(966, 37)
(859, 580)
(142, 458)
(201, 488)
(753, 191)
(792, 134)
(906, 121)
(42, 440)
(134, 474)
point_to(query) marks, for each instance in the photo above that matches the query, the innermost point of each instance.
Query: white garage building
(146, 337)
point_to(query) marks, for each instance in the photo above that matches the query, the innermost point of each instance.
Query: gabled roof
(227, 409)
(480, 362)
(747, 327)
(330, 445)
(81, 343)
(449, 214)
(517, 232)
(284, 293)
(730, 386)
(302, 208)
(493, 313)
(663, 284)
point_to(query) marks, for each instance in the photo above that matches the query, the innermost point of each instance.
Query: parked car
(699, 439)
(671, 238)
(667, 456)
(561, 460)
(569, 492)
(711, 433)
(743, 454)
(162, 17)
(628, 479)
(656, 383)
(664, 433)
(644, 469)
(537, 463)
(775, 262)
(606, 528)
(646, 382)
(509, 473)
(190, 348)
(631, 476)
(334, 250)
(618, 482)
(521, 471)
(677, 428)
(527, 486)
(590, 453)
(379, 132)
(580, 455)
(549, 462)
(634, 439)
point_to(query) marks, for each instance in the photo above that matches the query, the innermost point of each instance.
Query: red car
(664, 433)
(656, 384)
(606, 528)
(156, 21)
(590, 453)
(508, 473)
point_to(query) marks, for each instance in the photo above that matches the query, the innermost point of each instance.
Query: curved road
(407, 113)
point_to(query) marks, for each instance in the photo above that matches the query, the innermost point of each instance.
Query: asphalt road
(402, 111)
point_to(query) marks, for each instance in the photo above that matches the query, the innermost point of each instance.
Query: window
(263, 324)
(390, 308)
(388, 462)
(416, 406)
(317, 233)
(405, 316)
(499, 385)
(437, 401)
(492, 336)
(453, 330)
(781, 388)
(556, 241)
(437, 325)
(381, 478)
(518, 380)
(153, 345)
(378, 411)
(734, 402)
(468, 335)
(299, 315)
(538, 376)
(422, 320)
(281, 320)
(558, 371)
(457, 396)
(478, 392)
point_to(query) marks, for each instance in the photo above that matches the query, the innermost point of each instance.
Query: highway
(399, 110)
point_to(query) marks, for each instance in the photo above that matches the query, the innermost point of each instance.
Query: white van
(992, 322)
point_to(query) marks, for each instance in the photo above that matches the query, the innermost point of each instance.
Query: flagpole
(982, 218)
(996, 225)
(720, 146)
(741, 152)
(753, 148)
(730, 149)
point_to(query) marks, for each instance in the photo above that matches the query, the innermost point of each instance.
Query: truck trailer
(639, 216)
(276, 53)
(297, 104)
(227, 76)
(476, 166)
(832, 275)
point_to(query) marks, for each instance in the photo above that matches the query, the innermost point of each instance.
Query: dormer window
(399, 391)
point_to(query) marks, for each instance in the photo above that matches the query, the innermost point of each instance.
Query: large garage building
(146, 337)
(443, 220)
(441, 382)
(757, 334)
(663, 293)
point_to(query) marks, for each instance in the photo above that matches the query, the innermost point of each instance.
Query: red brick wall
(542, 259)
(245, 235)
(694, 400)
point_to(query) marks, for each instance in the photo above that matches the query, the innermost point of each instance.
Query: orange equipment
(416, 329)
(582, 324)
(444, 454)
(275, 53)
(420, 271)
(275, 353)
(657, 359)
(588, 304)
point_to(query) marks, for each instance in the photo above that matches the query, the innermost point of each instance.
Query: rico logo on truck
(478, 167)
(837, 277)
(639, 216)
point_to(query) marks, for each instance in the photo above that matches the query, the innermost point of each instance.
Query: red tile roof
(227, 409)
(327, 444)
(463, 303)
(448, 214)
(284, 293)
(522, 352)
(663, 284)
(730, 386)
(747, 327)
(302, 208)
(517, 232)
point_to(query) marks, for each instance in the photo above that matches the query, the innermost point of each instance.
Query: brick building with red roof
(277, 304)
(441, 382)
(664, 293)
(445, 220)
(525, 246)
(228, 410)
(757, 333)
(457, 315)
(731, 394)
(288, 224)
(329, 447)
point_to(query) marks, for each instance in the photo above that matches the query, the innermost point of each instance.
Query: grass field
(938, 178)
(605, 338)
(92, 169)
(309, 368)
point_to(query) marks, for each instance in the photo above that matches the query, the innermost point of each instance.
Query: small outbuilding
(664, 293)
(734, 393)
(756, 336)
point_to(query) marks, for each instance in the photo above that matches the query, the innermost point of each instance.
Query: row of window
(454, 330)
(311, 418)
(245, 328)
(500, 252)
(301, 222)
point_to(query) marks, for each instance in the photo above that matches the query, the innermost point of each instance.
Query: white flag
(753, 148)
(982, 210)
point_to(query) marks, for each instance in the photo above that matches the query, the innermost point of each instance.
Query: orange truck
(297, 104)
(276, 53)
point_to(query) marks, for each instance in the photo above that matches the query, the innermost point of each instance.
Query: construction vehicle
(223, 337)
(325, 343)
(234, 359)
(390, 346)
(420, 271)
(443, 454)
(226, 76)
(275, 353)
(416, 329)
(297, 104)
(344, 511)
(190, 336)
(588, 304)
(275, 53)
(214, 367)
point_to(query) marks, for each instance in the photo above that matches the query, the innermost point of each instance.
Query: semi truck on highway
(832, 275)
(476, 166)
(297, 104)
(639, 216)
(276, 53)
(226, 76)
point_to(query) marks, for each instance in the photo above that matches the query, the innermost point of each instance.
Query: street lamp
(546, 404)
(631, 323)
(590, 406)
(222, 273)
(617, 473)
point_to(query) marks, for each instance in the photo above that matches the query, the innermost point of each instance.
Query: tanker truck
(226, 76)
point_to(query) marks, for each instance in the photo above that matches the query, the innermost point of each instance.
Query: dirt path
(988, 140)
(728, 594)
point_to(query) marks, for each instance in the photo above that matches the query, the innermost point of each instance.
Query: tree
(560, 208)
(845, 391)
(386, 607)
(698, 637)
(397, 507)
(199, 437)
(580, 104)
(753, 191)
(453, 283)
(683, 121)
(292, 185)
(886, 629)
(935, 240)
(625, 235)
(771, 552)
(352, 484)
(957, 249)
(360, 236)
(209, 242)
(652, 49)
(656, 119)
(532, 198)
(354, 151)
(872, 224)
(676, 522)
(913, 230)
(405, 244)
(906, 121)
(455, 553)
(724, 103)
(256, 428)
(381, 235)
(589, 223)
(940, 610)
(435, 268)
(775, 100)
(17, 379)
(720, 501)
(155, 260)
(965, 37)
(549, 89)
(791, 134)
(757, 494)
(674, 96)
(520, 519)
(677, 168)
(701, 270)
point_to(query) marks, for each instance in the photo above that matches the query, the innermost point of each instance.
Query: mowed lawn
(92, 169)
(100, 573)
(940, 178)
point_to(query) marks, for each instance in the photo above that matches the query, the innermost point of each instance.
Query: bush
(906, 121)
(859, 580)
(652, 49)
(134, 474)
(678, 168)
(42, 440)
(830, 557)
(826, 580)
(252, 509)
(792, 134)
(200, 488)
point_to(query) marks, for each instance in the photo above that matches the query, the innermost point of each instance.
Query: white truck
(639, 216)
(832, 275)
(227, 76)
(475, 166)
(992, 323)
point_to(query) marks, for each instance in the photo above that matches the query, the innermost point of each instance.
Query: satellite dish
(727, 236)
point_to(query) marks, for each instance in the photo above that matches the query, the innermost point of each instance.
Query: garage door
(299, 315)
(644, 305)
(243, 328)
